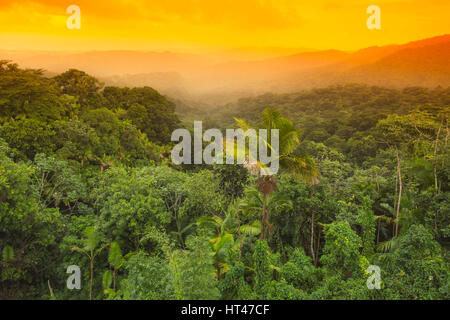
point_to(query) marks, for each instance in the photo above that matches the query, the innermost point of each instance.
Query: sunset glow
(200, 25)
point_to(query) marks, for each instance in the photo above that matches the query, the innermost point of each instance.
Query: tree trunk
(50, 288)
(239, 229)
(400, 187)
(436, 189)
(317, 246)
(92, 279)
(436, 186)
(114, 279)
(312, 239)
(263, 219)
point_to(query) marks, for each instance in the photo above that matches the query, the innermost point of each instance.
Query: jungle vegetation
(86, 179)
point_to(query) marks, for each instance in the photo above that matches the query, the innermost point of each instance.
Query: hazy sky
(193, 25)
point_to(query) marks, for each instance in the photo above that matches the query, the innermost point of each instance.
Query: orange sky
(198, 25)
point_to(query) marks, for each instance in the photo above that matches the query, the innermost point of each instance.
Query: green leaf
(92, 239)
(107, 279)
(8, 253)
(115, 257)
(221, 241)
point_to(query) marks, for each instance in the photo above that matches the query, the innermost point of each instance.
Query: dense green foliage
(85, 179)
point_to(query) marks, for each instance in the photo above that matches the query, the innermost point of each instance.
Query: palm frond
(241, 123)
(206, 221)
(251, 229)
(300, 167)
(388, 245)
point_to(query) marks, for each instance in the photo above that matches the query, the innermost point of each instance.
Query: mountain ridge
(424, 62)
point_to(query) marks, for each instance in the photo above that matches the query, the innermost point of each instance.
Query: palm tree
(254, 202)
(299, 166)
(225, 230)
(116, 260)
(91, 242)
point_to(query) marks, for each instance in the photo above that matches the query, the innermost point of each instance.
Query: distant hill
(168, 83)
(419, 63)
(414, 66)
(214, 80)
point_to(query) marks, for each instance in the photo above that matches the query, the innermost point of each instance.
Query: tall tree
(288, 142)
